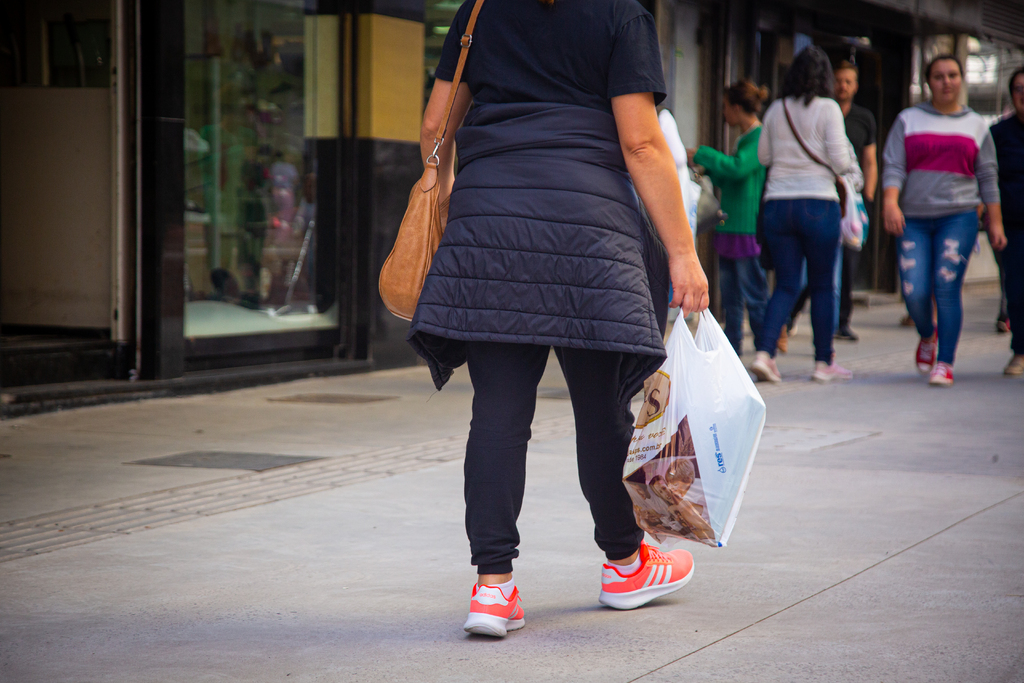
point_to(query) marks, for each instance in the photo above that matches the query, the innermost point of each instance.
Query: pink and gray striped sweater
(944, 163)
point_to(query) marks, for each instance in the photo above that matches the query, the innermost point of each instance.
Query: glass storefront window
(250, 172)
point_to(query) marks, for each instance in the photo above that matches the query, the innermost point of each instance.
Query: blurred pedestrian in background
(801, 211)
(940, 164)
(741, 179)
(1008, 136)
(861, 131)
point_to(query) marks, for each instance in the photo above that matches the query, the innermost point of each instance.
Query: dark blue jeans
(933, 258)
(742, 283)
(799, 229)
(1013, 270)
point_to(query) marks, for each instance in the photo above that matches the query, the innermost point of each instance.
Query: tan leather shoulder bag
(403, 273)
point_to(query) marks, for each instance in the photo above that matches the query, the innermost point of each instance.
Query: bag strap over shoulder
(465, 41)
(811, 154)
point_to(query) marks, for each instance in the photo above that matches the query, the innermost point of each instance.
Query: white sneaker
(765, 369)
(827, 372)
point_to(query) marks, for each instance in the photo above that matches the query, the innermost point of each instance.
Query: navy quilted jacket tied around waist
(545, 244)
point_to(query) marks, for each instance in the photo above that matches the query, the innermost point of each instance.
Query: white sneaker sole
(642, 596)
(490, 625)
(825, 379)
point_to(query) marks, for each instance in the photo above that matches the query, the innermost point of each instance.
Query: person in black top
(546, 247)
(1008, 136)
(861, 129)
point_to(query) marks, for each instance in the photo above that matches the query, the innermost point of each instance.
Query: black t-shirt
(580, 52)
(860, 128)
(1008, 136)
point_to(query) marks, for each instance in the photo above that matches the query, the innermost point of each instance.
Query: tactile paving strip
(66, 528)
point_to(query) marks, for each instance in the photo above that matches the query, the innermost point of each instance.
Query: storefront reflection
(250, 172)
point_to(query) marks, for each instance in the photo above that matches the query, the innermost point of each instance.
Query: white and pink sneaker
(492, 613)
(942, 375)
(829, 372)
(765, 369)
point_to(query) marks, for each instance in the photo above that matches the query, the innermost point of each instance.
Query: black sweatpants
(505, 379)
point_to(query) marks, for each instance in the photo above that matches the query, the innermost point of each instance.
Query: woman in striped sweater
(940, 164)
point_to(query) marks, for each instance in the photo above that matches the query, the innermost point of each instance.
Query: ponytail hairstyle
(747, 96)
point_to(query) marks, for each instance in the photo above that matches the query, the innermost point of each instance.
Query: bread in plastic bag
(695, 439)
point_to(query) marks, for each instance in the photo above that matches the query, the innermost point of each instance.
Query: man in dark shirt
(860, 128)
(1008, 136)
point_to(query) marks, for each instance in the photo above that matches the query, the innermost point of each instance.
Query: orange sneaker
(659, 574)
(491, 613)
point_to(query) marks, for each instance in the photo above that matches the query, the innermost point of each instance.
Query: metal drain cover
(336, 399)
(225, 460)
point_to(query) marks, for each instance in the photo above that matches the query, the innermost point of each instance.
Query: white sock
(505, 588)
(627, 569)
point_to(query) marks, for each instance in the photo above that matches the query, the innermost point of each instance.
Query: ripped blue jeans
(933, 254)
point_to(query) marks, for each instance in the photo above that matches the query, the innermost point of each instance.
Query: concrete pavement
(880, 539)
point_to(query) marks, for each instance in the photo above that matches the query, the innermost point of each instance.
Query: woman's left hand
(689, 284)
(691, 152)
(996, 235)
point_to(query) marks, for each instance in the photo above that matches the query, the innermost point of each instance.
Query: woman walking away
(545, 247)
(940, 164)
(801, 212)
(1008, 136)
(741, 178)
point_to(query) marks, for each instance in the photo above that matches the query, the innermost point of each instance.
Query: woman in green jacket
(741, 179)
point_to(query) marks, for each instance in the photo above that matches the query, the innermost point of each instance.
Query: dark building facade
(200, 193)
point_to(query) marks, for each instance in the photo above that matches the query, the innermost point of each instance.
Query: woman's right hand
(893, 218)
(689, 284)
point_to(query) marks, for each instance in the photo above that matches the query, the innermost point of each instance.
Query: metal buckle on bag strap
(433, 155)
(467, 39)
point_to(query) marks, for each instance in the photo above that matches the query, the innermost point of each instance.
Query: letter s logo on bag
(656, 395)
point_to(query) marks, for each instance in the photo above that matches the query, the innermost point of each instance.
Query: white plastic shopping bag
(853, 225)
(691, 189)
(695, 439)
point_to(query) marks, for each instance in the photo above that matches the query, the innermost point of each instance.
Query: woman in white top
(801, 211)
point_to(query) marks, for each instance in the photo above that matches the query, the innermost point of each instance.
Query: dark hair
(1013, 77)
(747, 95)
(942, 58)
(809, 76)
(846, 65)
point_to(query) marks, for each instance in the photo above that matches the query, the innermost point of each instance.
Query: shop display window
(250, 171)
